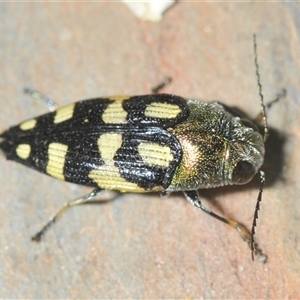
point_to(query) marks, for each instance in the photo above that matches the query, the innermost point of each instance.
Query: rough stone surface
(143, 246)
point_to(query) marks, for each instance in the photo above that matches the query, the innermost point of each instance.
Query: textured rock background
(142, 246)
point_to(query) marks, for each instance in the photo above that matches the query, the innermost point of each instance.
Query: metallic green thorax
(218, 149)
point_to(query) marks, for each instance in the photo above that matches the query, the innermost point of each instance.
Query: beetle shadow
(274, 158)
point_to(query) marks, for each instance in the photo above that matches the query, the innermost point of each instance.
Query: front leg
(193, 197)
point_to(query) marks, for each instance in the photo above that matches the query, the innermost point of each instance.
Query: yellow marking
(119, 98)
(30, 124)
(56, 160)
(162, 110)
(107, 176)
(114, 113)
(108, 144)
(64, 113)
(155, 154)
(23, 151)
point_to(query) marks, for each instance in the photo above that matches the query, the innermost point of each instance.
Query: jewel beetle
(139, 144)
(148, 143)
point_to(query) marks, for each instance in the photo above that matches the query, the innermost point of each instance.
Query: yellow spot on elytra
(119, 98)
(27, 125)
(162, 110)
(64, 113)
(108, 144)
(114, 113)
(108, 176)
(155, 154)
(23, 151)
(56, 160)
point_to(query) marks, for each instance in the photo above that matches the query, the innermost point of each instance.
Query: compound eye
(243, 173)
(249, 124)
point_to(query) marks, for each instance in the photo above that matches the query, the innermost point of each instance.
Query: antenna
(254, 249)
(263, 111)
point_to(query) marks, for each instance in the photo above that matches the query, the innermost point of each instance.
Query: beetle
(147, 143)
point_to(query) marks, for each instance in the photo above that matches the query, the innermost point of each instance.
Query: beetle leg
(192, 197)
(66, 206)
(160, 86)
(52, 106)
(278, 97)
